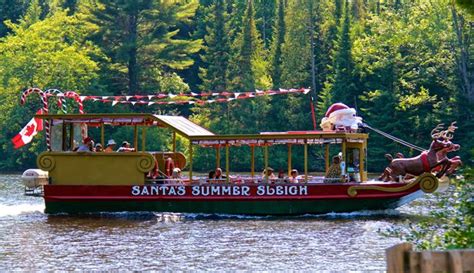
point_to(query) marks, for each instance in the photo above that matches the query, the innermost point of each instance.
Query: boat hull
(287, 199)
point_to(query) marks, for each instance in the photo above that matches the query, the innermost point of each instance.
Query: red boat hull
(280, 199)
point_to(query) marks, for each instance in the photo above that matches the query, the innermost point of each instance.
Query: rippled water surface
(32, 240)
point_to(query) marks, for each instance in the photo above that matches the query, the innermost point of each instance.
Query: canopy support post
(289, 160)
(190, 161)
(102, 135)
(227, 162)
(71, 137)
(218, 156)
(143, 138)
(305, 161)
(174, 146)
(344, 155)
(252, 161)
(362, 161)
(326, 157)
(266, 161)
(63, 137)
(135, 137)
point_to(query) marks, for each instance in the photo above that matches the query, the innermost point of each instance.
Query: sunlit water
(32, 240)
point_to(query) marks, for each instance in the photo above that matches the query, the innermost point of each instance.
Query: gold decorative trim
(428, 184)
(46, 162)
(145, 163)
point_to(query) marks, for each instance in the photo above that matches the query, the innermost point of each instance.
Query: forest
(406, 66)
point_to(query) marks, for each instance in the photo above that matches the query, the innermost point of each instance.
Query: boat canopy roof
(180, 124)
(201, 136)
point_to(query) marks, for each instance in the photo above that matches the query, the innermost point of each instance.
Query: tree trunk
(132, 56)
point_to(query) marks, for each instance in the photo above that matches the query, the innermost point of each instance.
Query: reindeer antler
(436, 133)
(449, 133)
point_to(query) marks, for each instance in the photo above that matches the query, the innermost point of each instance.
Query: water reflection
(31, 240)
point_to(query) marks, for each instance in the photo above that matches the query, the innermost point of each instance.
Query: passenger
(87, 145)
(212, 176)
(281, 176)
(268, 172)
(110, 146)
(334, 174)
(294, 176)
(98, 148)
(125, 147)
(219, 177)
(176, 176)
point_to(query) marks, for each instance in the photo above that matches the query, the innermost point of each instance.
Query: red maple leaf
(30, 129)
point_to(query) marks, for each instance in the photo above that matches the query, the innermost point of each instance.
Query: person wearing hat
(125, 147)
(110, 146)
(87, 145)
(268, 174)
(99, 148)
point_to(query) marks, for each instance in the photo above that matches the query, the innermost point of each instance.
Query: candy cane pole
(44, 100)
(75, 96)
(61, 98)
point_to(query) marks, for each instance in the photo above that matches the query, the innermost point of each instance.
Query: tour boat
(142, 180)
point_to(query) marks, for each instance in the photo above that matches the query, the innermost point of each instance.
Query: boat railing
(238, 180)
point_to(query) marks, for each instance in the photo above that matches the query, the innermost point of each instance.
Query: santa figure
(340, 117)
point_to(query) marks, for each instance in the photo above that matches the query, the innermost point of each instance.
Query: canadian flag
(28, 132)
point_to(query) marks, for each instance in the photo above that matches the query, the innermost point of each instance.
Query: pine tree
(343, 88)
(10, 10)
(217, 48)
(32, 14)
(141, 40)
(265, 17)
(278, 40)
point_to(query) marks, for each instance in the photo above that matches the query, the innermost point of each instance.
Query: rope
(400, 141)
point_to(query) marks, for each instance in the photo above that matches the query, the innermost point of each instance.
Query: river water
(32, 240)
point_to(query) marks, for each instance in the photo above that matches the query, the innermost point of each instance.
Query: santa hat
(339, 108)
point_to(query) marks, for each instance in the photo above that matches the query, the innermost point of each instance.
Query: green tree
(10, 10)
(52, 53)
(216, 56)
(140, 38)
(278, 40)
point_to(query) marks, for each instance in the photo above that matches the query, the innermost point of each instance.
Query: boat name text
(217, 190)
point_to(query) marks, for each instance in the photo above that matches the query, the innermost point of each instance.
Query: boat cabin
(142, 166)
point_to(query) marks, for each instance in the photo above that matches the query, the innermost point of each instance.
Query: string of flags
(184, 98)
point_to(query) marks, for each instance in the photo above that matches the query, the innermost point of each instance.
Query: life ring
(169, 166)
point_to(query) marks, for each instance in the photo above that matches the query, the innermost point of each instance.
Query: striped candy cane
(44, 100)
(75, 96)
(61, 99)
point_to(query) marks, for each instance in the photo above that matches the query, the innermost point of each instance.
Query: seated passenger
(281, 176)
(98, 148)
(334, 174)
(294, 178)
(87, 145)
(268, 173)
(125, 147)
(219, 176)
(110, 146)
(176, 176)
(212, 176)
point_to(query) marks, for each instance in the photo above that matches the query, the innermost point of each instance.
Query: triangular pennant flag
(171, 95)
(151, 103)
(191, 102)
(114, 102)
(230, 99)
(133, 102)
(150, 97)
(306, 91)
(127, 97)
(215, 94)
(236, 94)
(194, 94)
(82, 98)
(105, 97)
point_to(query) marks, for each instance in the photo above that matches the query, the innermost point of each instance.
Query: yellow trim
(306, 162)
(143, 138)
(266, 161)
(289, 160)
(326, 157)
(252, 161)
(227, 163)
(428, 183)
(190, 162)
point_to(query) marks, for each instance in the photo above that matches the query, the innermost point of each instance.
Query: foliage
(406, 66)
(450, 224)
